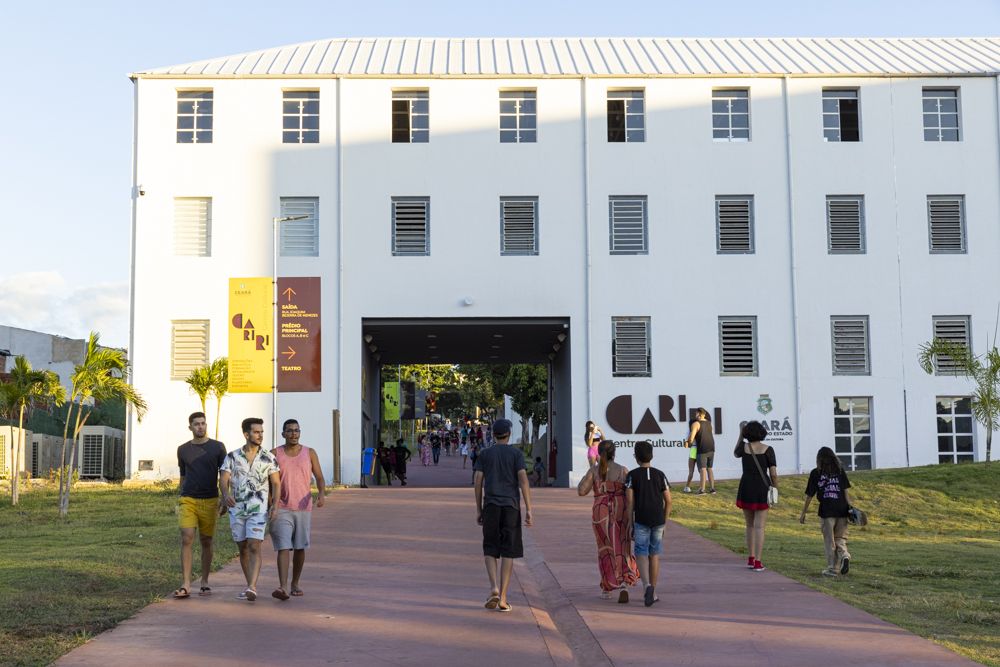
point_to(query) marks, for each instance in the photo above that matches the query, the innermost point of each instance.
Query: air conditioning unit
(100, 454)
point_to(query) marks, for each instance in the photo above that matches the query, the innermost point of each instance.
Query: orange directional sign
(299, 340)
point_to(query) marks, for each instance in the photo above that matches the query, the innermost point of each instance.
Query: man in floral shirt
(244, 478)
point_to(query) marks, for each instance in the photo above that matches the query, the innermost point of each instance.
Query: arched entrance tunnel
(491, 341)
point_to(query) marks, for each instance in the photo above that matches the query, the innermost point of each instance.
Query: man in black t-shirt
(198, 460)
(501, 480)
(647, 495)
(403, 455)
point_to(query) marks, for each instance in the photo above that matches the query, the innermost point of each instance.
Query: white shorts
(247, 527)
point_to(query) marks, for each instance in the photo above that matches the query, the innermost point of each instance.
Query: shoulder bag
(772, 491)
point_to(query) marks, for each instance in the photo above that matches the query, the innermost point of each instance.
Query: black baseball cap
(501, 428)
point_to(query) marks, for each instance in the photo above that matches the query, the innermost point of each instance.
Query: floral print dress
(614, 537)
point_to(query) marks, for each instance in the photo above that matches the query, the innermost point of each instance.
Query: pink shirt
(296, 479)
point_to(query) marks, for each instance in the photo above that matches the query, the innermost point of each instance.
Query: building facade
(765, 228)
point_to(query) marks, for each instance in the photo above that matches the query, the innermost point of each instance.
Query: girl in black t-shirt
(829, 482)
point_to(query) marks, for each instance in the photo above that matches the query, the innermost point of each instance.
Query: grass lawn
(62, 582)
(929, 559)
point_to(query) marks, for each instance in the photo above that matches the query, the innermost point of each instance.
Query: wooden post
(336, 447)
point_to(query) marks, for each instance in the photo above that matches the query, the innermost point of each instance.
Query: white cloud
(45, 301)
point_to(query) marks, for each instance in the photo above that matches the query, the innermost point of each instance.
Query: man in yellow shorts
(199, 460)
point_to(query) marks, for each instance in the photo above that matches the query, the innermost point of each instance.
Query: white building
(767, 228)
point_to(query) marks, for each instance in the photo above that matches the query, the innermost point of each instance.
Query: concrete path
(395, 577)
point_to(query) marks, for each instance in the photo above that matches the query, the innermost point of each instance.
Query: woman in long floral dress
(612, 529)
(424, 448)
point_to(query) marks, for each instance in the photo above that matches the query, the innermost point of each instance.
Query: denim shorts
(648, 540)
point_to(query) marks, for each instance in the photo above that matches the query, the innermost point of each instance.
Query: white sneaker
(687, 489)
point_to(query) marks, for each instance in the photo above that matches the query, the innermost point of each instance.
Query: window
(626, 116)
(517, 117)
(841, 116)
(737, 346)
(34, 459)
(193, 226)
(300, 117)
(955, 429)
(731, 115)
(519, 225)
(852, 431)
(946, 224)
(734, 224)
(300, 238)
(630, 347)
(410, 119)
(953, 329)
(845, 224)
(850, 345)
(194, 116)
(411, 226)
(627, 215)
(188, 347)
(941, 114)
(92, 456)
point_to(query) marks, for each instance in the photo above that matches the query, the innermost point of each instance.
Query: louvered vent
(955, 330)
(734, 224)
(519, 226)
(845, 224)
(411, 227)
(628, 225)
(193, 226)
(946, 223)
(850, 346)
(630, 347)
(738, 345)
(188, 347)
(300, 238)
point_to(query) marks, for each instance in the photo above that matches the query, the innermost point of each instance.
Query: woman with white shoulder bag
(758, 489)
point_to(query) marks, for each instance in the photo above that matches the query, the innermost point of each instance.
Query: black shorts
(502, 532)
(705, 460)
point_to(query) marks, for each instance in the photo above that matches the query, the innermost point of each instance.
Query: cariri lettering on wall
(251, 326)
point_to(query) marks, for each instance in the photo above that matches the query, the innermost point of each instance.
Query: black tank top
(705, 438)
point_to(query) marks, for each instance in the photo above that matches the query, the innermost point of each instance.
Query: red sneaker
(750, 562)
(758, 566)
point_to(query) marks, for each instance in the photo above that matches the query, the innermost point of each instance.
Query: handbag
(857, 517)
(772, 491)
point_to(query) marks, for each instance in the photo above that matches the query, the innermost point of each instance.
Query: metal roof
(604, 57)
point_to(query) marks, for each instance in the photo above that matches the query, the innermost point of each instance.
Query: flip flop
(181, 593)
(505, 609)
(280, 594)
(251, 594)
(297, 593)
(493, 602)
(205, 591)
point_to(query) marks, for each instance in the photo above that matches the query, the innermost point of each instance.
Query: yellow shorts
(200, 513)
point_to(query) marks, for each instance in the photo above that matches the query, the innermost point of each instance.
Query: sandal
(251, 594)
(205, 591)
(280, 594)
(181, 593)
(493, 601)
(504, 607)
(297, 593)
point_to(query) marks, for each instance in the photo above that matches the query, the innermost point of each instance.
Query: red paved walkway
(395, 577)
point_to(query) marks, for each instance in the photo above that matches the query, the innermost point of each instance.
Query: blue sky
(65, 142)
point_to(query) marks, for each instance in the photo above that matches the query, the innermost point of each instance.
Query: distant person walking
(384, 456)
(702, 441)
(436, 447)
(402, 455)
(291, 526)
(464, 451)
(247, 474)
(592, 437)
(199, 460)
(759, 471)
(647, 495)
(829, 481)
(424, 449)
(500, 481)
(612, 528)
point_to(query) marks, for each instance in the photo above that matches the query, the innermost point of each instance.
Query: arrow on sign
(290, 353)
(289, 292)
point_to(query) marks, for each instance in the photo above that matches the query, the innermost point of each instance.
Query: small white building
(45, 352)
(767, 228)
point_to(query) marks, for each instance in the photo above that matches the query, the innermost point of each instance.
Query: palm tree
(102, 376)
(25, 388)
(218, 373)
(982, 369)
(200, 381)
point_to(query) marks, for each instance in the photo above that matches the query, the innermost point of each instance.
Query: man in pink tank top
(290, 526)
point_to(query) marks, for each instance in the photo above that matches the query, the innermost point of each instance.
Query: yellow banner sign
(251, 335)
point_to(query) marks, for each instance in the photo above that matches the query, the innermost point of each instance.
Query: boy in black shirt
(647, 494)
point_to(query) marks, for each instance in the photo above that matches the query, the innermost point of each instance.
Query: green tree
(26, 388)
(103, 375)
(528, 387)
(200, 382)
(983, 370)
(218, 372)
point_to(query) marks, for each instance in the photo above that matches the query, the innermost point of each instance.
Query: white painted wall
(682, 284)
(39, 348)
